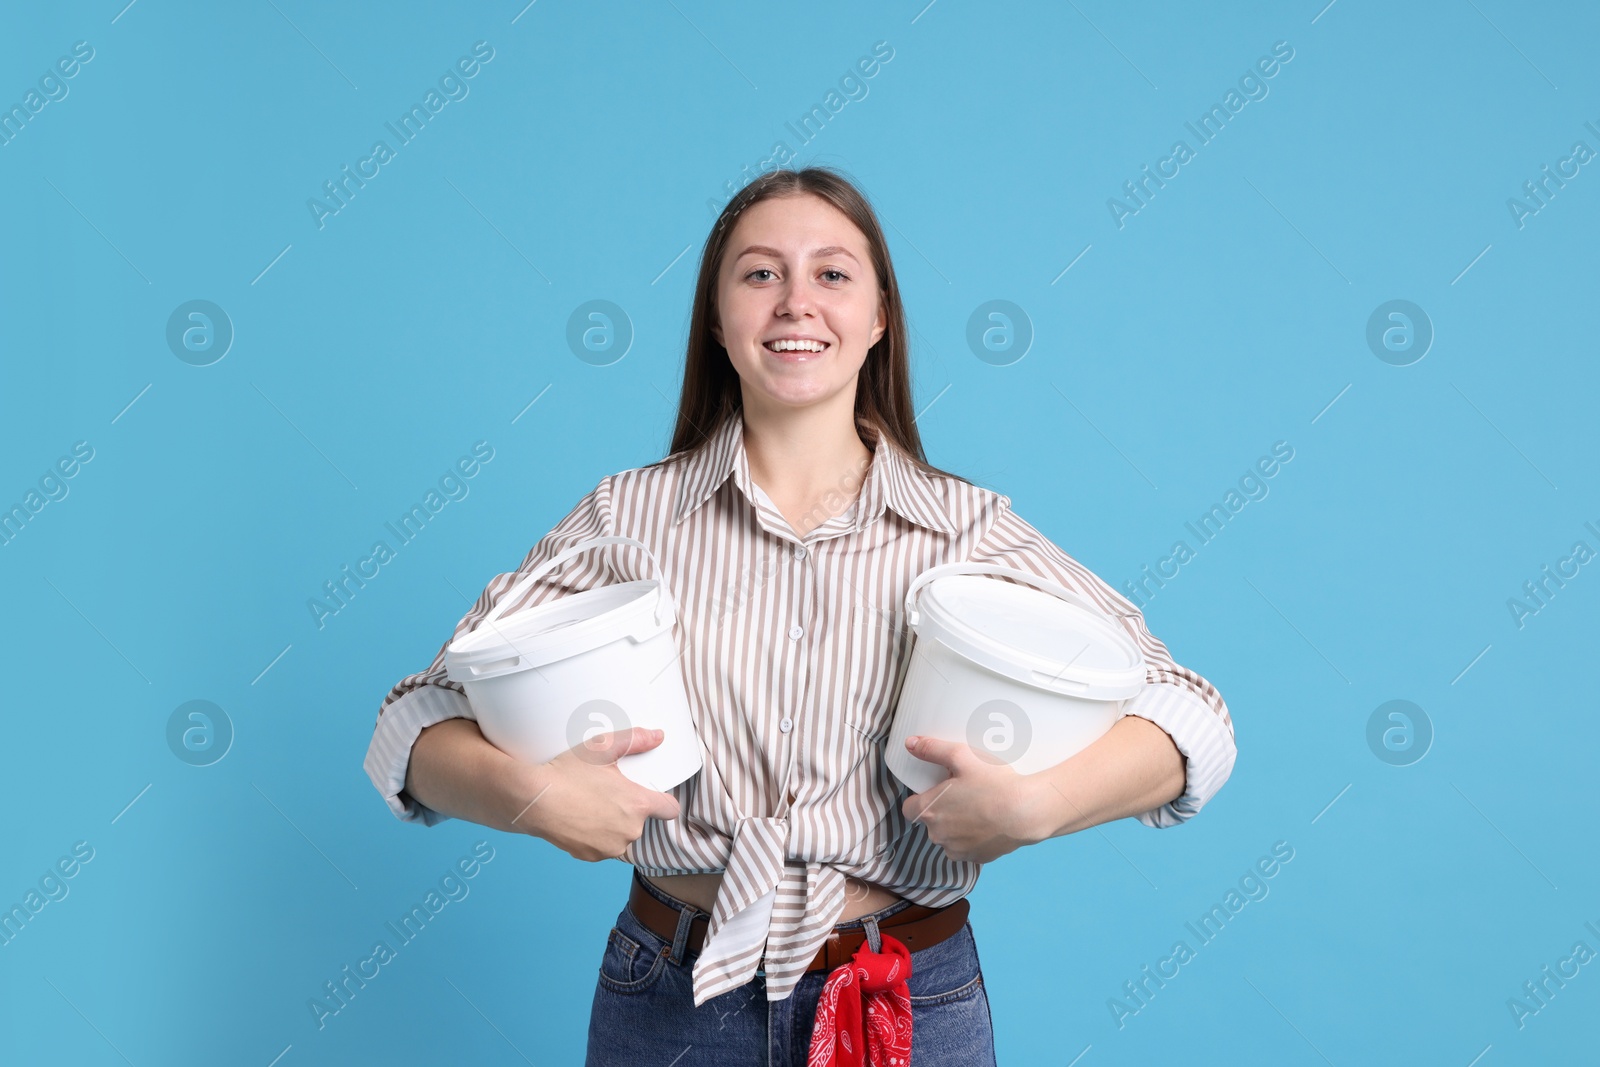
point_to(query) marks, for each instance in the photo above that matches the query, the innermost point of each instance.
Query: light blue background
(426, 315)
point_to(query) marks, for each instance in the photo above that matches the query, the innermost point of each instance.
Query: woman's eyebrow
(816, 253)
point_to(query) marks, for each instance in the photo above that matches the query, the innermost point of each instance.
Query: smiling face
(798, 304)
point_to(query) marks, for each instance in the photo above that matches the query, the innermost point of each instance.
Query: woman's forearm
(1133, 768)
(458, 773)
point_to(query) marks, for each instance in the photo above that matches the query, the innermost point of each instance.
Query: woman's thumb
(612, 745)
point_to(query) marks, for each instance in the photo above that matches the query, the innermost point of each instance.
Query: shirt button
(786, 725)
(796, 632)
(800, 552)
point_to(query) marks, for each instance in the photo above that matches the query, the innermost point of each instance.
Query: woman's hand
(986, 809)
(981, 812)
(582, 803)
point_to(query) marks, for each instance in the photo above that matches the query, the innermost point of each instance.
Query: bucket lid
(1032, 637)
(566, 627)
(557, 630)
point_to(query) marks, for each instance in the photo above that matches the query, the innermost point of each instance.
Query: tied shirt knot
(768, 914)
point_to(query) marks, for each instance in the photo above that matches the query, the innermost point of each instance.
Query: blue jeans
(644, 1014)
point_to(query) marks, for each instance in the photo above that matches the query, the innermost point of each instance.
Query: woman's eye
(758, 270)
(840, 275)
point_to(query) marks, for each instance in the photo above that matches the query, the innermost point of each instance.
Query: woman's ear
(716, 329)
(879, 324)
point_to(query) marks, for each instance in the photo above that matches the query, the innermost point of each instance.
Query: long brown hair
(883, 390)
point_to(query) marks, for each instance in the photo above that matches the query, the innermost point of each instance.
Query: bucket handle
(913, 617)
(555, 561)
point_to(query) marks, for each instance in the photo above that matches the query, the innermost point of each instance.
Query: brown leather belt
(916, 926)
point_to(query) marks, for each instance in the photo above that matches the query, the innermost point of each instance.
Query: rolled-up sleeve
(428, 697)
(1175, 698)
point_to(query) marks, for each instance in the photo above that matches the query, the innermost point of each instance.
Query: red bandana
(838, 1038)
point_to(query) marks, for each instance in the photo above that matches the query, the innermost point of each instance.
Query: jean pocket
(632, 964)
(945, 972)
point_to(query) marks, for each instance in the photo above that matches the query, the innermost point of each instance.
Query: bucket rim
(537, 636)
(1062, 676)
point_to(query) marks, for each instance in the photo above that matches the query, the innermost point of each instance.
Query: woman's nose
(795, 299)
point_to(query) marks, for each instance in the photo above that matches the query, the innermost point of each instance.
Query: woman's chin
(797, 391)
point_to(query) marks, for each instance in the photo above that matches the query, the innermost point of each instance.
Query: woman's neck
(810, 461)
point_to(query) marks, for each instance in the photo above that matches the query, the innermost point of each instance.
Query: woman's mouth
(795, 351)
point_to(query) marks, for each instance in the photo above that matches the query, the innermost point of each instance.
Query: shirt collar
(893, 479)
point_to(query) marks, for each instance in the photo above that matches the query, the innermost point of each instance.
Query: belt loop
(873, 938)
(680, 940)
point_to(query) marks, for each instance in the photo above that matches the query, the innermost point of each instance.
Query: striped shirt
(793, 650)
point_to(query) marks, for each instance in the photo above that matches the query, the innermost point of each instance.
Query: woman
(792, 514)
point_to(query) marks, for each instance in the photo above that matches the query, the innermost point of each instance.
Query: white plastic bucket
(1024, 677)
(546, 678)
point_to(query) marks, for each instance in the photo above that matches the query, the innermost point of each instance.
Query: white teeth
(796, 346)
